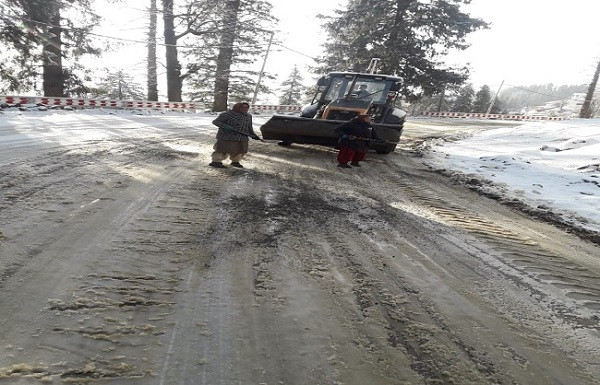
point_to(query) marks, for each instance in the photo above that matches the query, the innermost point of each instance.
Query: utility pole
(262, 70)
(494, 99)
(586, 109)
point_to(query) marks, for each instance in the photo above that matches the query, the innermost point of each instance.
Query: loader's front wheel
(386, 149)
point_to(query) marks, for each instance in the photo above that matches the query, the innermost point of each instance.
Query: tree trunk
(393, 58)
(174, 81)
(152, 67)
(53, 75)
(442, 97)
(225, 57)
(586, 109)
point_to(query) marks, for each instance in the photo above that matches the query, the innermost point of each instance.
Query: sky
(528, 42)
(535, 42)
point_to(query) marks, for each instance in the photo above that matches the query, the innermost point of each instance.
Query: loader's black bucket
(293, 129)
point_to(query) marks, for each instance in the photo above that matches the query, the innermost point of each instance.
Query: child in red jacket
(353, 144)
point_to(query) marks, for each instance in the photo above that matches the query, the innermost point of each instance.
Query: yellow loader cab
(341, 96)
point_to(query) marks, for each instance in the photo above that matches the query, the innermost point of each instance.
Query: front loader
(340, 97)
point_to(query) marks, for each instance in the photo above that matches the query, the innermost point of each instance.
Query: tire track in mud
(374, 292)
(370, 298)
(125, 307)
(415, 325)
(412, 324)
(439, 351)
(346, 264)
(279, 253)
(115, 322)
(537, 266)
(374, 304)
(45, 184)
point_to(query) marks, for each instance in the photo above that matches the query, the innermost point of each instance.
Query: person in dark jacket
(235, 127)
(353, 144)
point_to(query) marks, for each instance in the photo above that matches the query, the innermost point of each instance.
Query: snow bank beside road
(551, 166)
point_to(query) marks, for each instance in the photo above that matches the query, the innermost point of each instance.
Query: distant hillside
(540, 100)
(545, 100)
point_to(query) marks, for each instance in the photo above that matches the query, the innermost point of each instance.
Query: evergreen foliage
(483, 97)
(464, 99)
(409, 36)
(38, 36)
(118, 85)
(292, 88)
(207, 22)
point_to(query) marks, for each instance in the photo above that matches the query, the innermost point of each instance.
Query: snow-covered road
(125, 259)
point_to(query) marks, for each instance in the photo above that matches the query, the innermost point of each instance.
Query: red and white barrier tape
(491, 116)
(82, 102)
(130, 104)
(275, 108)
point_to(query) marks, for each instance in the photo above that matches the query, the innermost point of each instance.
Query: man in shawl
(235, 127)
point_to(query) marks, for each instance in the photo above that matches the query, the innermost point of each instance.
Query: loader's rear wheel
(284, 144)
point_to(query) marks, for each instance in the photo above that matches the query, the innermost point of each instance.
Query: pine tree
(483, 97)
(118, 85)
(38, 35)
(197, 21)
(239, 26)
(292, 88)
(208, 29)
(409, 36)
(464, 99)
(236, 81)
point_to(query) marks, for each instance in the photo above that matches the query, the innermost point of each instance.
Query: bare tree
(152, 66)
(197, 20)
(174, 81)
(586, 109)
(225, 57)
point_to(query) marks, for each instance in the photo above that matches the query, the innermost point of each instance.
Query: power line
(295, 51)
(17, 17)
(532, 91)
